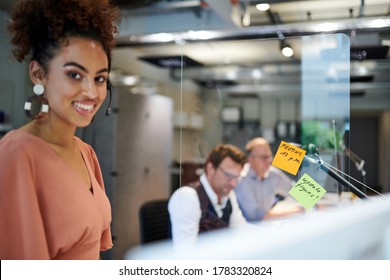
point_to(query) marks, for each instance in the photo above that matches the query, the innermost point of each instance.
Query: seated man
(209, 204)
(262, 185)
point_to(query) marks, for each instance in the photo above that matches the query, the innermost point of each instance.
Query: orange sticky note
(288, 157)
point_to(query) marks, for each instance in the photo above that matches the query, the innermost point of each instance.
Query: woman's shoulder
(18, 139)
(18, 146)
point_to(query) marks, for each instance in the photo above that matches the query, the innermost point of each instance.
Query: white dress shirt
(185, 212)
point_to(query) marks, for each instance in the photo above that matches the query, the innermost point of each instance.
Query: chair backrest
(154, 221)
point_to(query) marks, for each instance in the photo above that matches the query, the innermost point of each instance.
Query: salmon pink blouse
(46, 211)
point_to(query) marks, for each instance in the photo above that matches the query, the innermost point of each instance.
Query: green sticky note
(307, 191)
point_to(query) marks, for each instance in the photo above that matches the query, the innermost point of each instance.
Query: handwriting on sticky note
(307, 191)
(288, 157)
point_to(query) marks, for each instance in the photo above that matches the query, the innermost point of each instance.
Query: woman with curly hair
(52, 199)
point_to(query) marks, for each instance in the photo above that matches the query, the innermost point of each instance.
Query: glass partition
(302, 100)
(325, 102)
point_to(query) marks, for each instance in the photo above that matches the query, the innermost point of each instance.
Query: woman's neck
(59, 135)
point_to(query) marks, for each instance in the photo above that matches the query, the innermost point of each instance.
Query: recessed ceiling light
(263, 7)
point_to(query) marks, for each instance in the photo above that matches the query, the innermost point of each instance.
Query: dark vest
(209, 219)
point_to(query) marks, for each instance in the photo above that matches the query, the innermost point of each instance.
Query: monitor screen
(359, 230)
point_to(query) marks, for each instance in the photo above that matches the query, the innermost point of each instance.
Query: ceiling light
(231, 75)
(161, 37)
(256, 74)
(263, 7)
(130, 80)
(286, 49)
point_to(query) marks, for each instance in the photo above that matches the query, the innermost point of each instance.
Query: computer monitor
(359, 230)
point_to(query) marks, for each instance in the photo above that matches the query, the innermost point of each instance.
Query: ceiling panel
(234, 53)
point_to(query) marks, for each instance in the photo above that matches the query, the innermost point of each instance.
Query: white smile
(85, 107)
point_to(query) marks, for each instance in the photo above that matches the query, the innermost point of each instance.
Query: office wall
(14, 85)
(143, 159)
(187, 120)
(259, 116)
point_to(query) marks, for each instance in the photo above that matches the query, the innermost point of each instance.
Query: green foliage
(321, 134)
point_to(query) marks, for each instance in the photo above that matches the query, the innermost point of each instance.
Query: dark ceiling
(135, 3)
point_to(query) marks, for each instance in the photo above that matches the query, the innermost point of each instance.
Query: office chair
(154, 221)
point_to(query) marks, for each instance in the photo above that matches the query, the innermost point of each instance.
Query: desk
(285, 208)
(290, 207)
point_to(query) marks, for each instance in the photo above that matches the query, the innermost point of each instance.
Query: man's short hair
(221, 151)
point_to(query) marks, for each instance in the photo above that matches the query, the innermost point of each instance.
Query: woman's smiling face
(76, 82)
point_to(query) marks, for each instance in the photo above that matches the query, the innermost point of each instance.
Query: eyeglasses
(229, 176)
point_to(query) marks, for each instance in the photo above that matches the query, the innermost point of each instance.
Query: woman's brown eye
(74, 75)
(101, 79)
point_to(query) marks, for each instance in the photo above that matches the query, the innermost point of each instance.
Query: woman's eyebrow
(75, 64)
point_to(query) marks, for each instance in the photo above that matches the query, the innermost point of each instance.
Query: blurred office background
(190, 74)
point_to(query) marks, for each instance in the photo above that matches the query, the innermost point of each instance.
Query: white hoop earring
(36, 105)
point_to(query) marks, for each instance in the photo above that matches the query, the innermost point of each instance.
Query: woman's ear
(36, 73)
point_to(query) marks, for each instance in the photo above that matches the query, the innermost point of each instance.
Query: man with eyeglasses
(262, 185)
(208, 204)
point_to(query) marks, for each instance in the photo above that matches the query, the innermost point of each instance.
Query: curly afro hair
(39, 27)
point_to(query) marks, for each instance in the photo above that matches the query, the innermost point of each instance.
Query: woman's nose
(90, 89)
